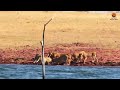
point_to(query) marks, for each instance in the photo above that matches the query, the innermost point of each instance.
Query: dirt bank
(25, 54)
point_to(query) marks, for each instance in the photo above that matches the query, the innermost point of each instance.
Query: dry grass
(25, 28)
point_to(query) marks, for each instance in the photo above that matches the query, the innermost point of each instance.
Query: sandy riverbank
(68, 32)
(25, 55)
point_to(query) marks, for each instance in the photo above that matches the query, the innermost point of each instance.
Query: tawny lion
(53, 55)
(59, 59)
(94, 57)
(82, 56)
(38, 58)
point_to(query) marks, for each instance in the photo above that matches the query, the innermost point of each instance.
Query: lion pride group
(54, 58)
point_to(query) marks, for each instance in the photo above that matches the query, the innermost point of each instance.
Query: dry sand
(19, 28)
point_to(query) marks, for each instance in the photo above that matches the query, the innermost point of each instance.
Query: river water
(15, 71)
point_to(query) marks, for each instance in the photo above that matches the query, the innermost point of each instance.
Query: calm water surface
(13, 71)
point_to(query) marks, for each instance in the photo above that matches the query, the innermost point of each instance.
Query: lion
(38, 58)
(94, 57)
(82, 57)
(53, 55)
(60, 59)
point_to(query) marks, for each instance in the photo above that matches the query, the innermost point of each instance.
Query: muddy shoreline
(25, 55)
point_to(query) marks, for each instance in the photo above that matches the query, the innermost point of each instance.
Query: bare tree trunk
(42, 43)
